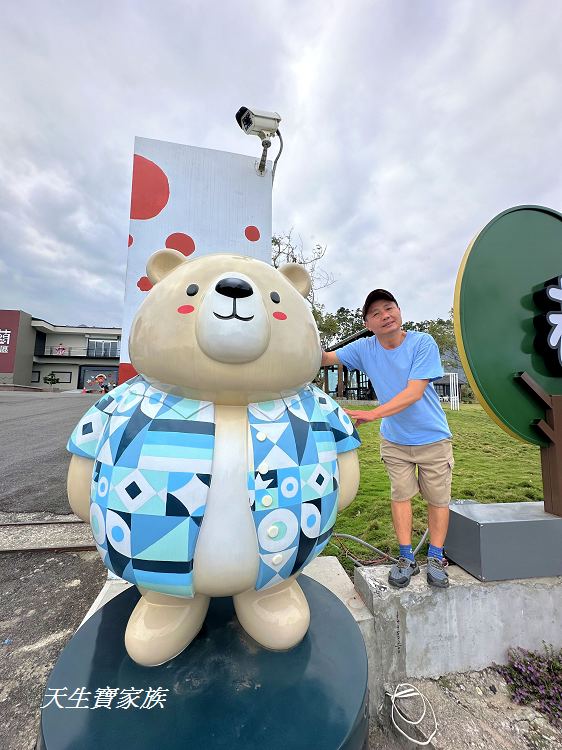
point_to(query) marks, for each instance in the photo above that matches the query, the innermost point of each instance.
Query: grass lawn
(490, 466)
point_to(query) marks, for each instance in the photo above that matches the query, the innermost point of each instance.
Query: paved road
(34, 428)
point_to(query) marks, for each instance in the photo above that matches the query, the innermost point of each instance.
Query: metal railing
(81, 351)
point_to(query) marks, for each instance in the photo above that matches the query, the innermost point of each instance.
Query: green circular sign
(496, 314)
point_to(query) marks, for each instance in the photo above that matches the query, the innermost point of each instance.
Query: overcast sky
(407, 126)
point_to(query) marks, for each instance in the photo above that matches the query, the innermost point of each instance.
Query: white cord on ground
(405, 690)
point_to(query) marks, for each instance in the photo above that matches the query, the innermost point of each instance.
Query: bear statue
(219, 469)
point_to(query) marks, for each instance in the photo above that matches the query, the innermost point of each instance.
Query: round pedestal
(223, 691)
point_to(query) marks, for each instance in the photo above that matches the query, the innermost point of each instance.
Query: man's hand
(362, 417)
(412, 393)
(329, 358)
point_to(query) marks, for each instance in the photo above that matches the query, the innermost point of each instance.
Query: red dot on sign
(150, 191)
(184, 309)
(126, 371)
(144, 284)
(130, 240)
(182, 242)
(252, 234)
(279, 316)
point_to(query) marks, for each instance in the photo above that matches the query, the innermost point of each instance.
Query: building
(31, 348)
(354, 385)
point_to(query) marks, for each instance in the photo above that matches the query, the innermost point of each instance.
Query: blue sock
(406, 551)
(435, 552)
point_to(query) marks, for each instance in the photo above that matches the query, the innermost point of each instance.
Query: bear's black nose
(235, 288)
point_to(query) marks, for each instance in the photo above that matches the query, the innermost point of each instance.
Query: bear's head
(225, 328)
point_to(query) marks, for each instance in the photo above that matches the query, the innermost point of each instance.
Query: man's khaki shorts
(434, 463)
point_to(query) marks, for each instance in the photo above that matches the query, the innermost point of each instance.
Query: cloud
(407, 127)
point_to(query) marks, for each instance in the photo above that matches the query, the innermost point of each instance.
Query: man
(414, 432)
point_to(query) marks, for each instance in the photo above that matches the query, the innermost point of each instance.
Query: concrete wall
(59, 367)
(24, 351)
(424, 632)
(16, 362)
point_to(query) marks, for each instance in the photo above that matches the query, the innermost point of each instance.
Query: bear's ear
(162, 263)
(298, 276)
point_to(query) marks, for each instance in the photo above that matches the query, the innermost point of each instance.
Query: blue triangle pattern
(328, 503)
(287, 569)
(147, 530)
(287, 443)
(310, 455)
(265, 575)
(132, 453)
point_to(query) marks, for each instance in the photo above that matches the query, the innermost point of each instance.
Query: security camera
(258, 122)
(266, 126)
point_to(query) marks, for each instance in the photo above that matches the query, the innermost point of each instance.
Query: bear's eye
(275, 297)
(192, 289)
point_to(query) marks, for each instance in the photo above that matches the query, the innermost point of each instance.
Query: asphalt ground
(43, 595)
(43, 598)
(34, 429)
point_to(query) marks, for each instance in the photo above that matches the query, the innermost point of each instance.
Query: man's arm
(330, 358)
(411, 393)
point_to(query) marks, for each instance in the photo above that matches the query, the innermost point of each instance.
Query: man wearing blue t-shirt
(416, 443)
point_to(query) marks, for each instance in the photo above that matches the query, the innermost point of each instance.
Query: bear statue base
(223, 691)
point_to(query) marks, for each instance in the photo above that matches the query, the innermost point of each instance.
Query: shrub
(51, 379)
(535, 678)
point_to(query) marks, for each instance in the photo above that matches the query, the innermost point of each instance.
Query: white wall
(58, 368)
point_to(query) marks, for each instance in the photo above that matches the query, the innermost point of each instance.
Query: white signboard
(198, 201)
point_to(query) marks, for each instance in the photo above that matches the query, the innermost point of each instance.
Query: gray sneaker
(400, 573)
(436, 573)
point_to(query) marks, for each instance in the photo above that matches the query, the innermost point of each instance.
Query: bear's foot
(161, 626)
(277, 618)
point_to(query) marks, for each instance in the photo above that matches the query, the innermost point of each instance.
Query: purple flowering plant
(535, 678)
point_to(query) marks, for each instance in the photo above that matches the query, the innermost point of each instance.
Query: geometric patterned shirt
(152, 454)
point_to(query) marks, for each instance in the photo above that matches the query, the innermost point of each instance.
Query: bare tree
(286, 249)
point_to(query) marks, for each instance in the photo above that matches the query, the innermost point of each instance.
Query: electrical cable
(359, 563)
(421, 542)
(278, 155)
(383, 555)
(405, 690)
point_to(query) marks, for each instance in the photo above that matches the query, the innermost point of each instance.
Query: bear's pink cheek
(280, 315)
(184, 309)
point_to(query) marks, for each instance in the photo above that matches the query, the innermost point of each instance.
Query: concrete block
(425, 632)
(329, 572)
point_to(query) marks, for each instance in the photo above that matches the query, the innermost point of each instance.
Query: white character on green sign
(555, 319)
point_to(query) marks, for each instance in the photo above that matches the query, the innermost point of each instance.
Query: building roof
(46, 327)
(354, 337)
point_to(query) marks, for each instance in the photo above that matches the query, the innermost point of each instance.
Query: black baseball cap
(375, 295)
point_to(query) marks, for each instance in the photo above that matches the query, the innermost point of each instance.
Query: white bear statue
(219, 469)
